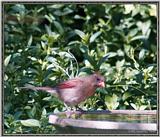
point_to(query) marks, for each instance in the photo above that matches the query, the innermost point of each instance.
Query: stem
(62, 69)
(129, 86)
(75, 60)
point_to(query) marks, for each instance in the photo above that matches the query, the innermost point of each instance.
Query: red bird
(75, 90)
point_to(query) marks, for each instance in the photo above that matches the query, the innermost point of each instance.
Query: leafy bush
(48, 43)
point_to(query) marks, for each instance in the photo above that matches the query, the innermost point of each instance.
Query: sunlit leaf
(7, 59)
(142, 54)
(119, 64)
(126, 95)
(52, 59)
(139, 37)
(44, 113)
(134, 106)
(112, 102)
(30, 123)
(80, 33)
(143, 107)
(94, 36)
(66, 54)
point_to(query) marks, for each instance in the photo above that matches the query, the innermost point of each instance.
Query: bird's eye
(98, 79)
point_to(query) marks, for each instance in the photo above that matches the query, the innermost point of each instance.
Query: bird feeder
(106, 122)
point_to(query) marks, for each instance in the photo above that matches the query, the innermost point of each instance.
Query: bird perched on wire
(76, 90)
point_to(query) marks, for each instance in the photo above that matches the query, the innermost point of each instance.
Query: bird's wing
(70, 83)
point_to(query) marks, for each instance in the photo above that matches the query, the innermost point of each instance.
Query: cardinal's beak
(101, 84)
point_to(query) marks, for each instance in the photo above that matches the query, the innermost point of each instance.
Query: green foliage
(46, 44)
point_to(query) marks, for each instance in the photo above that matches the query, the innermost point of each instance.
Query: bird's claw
(76, 111)
(73, 114)
(69, 113)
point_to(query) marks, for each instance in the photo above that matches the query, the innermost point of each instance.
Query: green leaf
(55, 6)
(150, 68)
(142, 54)
(128, 8)
(120, 52)
(64, 12)
(111, 54)
(73, 43)
(66, 54)
(48, 18)
(30, 123)
(112, 102)
(48, 29)
(19, 8)
(94, 36)
(43, 44)
(7, 107)
(59, 27)
(29, 41)
(47, 98)
(44, 37)
(44, 113)
(102, 60)
(84, 49)
(33, 111)
(27, 107)
(115, 97)
(143, 107)
(90, 60)
(133, 32)
(119, 64)
(126, 95)
(7, 59)
(139, 37)
(134, 106)
(80, 33)
(32, 58)
(136, 65)
(146, 27)
(51, 59)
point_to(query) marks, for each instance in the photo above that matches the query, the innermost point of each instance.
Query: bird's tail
(47, 89)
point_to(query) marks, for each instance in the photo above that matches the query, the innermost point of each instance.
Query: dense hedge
(48, 43)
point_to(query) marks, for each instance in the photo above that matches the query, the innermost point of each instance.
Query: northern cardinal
(75, 90)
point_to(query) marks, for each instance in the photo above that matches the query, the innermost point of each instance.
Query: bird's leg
(69, 111)
(67, 107)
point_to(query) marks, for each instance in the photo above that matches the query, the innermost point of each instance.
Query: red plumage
(76, 90)
(69, 84)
